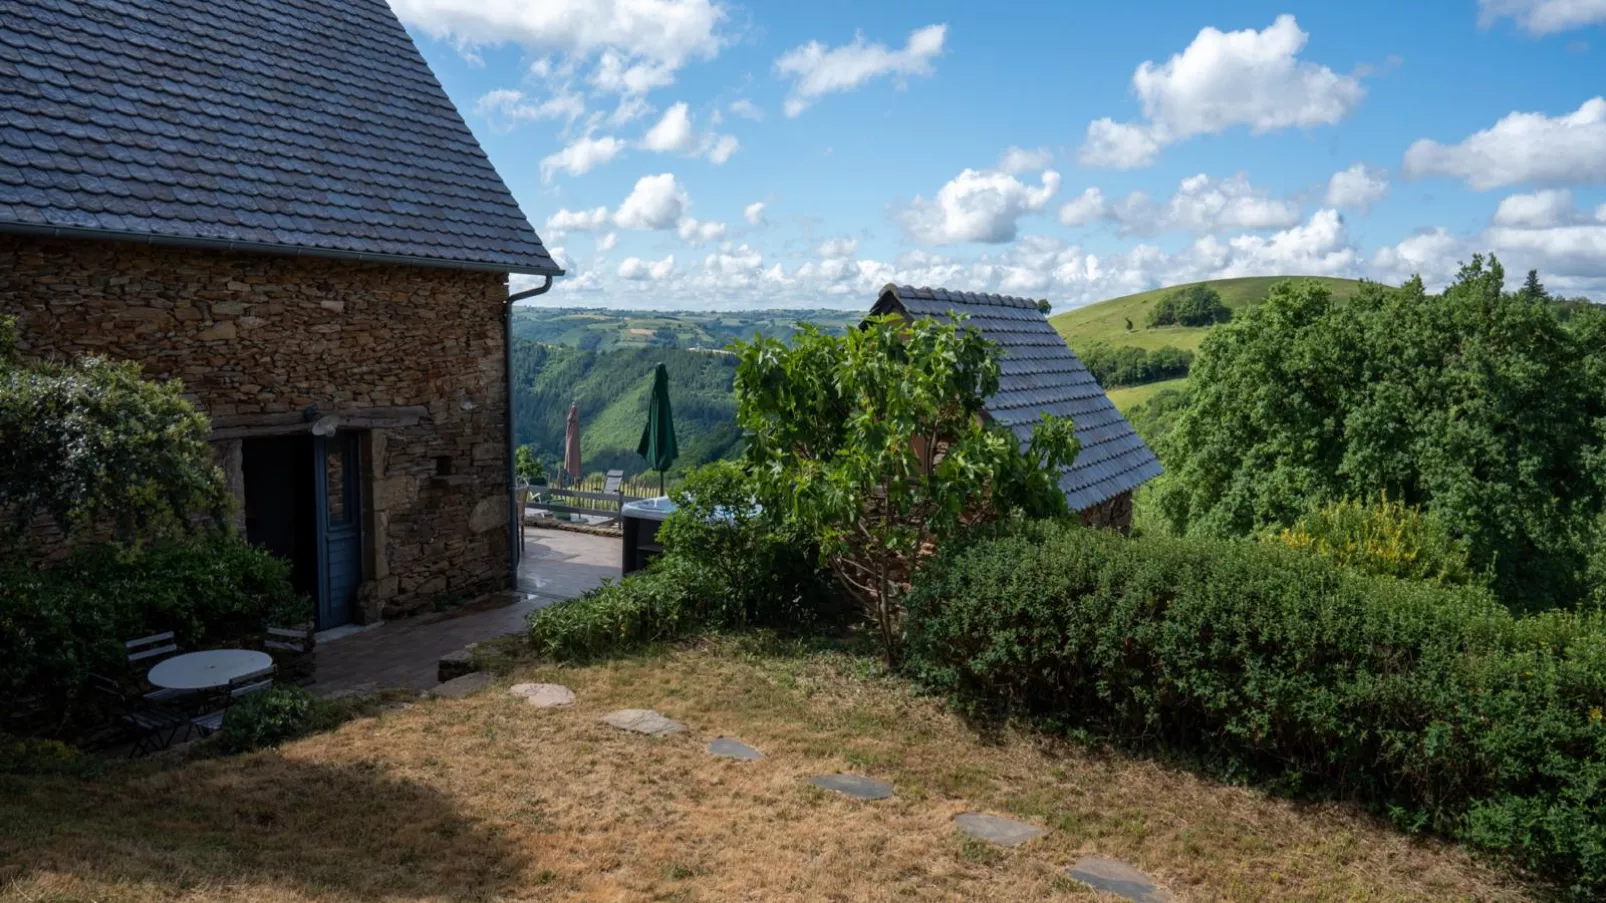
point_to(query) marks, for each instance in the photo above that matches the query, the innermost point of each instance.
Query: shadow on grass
(348, 830)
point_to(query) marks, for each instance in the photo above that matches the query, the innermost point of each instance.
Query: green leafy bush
(1474, 404)
(1125, 365)
(33, 756)
(723, 566)
(768, 575)
(60, 625)
(275, 717)
(667, 601)
(1432, 703)
(1386, 538)
(92, 442)
(1193, 305)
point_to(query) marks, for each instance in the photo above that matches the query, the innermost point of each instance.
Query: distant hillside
(611, 388)
(606, 330)
(1106, 320)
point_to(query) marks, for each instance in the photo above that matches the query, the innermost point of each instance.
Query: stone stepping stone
(734, 749)
(1006, 832)
(644, 721)
(1116, 877)
(856, 786)
(463, 687)
(544, 696)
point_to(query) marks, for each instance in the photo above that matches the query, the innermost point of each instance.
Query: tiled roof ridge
(927, 293)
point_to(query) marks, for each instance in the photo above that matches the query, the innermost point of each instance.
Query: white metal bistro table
(207, 670)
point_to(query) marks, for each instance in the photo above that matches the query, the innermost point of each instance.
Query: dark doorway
(303, 502)
(279, 510)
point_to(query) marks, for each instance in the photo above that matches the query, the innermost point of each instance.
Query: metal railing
(597, 495)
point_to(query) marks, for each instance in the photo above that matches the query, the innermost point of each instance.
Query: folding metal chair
(151, 726)
(146, 652)
(292, 651)
(238, 689)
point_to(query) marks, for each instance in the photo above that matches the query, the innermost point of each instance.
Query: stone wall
(1113, 514)
(260, 338)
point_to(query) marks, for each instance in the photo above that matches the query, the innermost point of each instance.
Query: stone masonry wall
(255, 334)
(1113, 514)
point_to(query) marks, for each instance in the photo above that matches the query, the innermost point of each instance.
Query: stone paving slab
(856, 786)
(463, 687)
(734, 749)
(643, 721)
(1116, 877)
(1006, 832)
(544, 696)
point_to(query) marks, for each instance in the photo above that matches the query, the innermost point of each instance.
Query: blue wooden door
(339, 504)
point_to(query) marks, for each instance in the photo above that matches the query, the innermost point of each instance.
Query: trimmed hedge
(1433, 704)
(58, 626)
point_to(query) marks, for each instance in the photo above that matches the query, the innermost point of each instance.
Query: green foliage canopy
(873, 444)
(1125, 365)
(1477, 405)
(93, 442)
(1194, 305)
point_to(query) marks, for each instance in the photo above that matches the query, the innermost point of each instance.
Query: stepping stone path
(734, 749)
(544, 696)
(1006, 832)
(644, 721)
(856, 786)
(1116, 877)
(463, 687)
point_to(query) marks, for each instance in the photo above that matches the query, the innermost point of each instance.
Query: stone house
(1040, 374)
(275, 202)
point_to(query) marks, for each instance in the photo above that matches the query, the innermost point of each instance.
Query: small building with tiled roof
(276, 202)
(1040, 374)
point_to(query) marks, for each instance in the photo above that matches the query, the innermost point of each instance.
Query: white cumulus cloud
(1017, 160)
(695, 232)
(1522, 147)
(1221, 80)
(1550, 207)
(607, 241)
(673, 134)
(978, 205)
(579, 158)
(578, 220)
(835, 248)
(507, 106)
(657, 202)
(1357, 188)
(754, 213)
(1201, 205)
(817, 70)
(637, 270)
(638, 44)
(1542, 17)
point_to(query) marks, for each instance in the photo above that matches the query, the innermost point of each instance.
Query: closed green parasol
(658, 444)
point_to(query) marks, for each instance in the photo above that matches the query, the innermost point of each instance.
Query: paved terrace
(557, 565)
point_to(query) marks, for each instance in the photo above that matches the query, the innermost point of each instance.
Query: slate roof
(302, 126)
(1040, 373)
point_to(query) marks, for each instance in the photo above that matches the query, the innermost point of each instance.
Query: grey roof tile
(1039, 373)
(209, 124)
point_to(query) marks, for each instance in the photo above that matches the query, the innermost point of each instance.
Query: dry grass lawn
(489, 799)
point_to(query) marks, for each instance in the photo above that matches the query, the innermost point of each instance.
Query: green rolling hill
(1106, 322)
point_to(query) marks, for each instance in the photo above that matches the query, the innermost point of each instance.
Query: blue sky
(1069, 151)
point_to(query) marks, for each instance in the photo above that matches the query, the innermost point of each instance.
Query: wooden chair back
(615, 480)
(147, 648)
(293, 640)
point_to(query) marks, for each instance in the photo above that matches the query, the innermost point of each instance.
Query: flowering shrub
(1387, 538)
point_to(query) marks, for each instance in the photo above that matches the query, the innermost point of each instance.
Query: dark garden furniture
(292, 651)
(235, 690)
(150, 725)
(148, 651)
